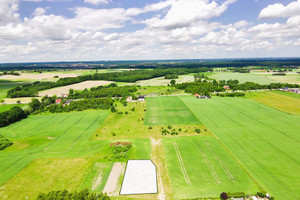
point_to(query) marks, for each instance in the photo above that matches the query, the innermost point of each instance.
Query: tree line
(13, 115)
(206, 87)
(111, 90)
(65, 195)
(31, 90)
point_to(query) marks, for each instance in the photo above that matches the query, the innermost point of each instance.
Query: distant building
(141, 98)
(129, 99)
(197, 95)
(68, 101)
(57, 101)
(64, 95)
(226, 87)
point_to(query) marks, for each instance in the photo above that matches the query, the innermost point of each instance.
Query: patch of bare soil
(77, 86)
(43, 76)
(112, 181)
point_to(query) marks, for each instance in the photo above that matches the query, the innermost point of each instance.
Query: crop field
(54, 150)
(244, 77)
(264, 140)
(199, 166)
(168, 111)
(161, 81)
(78, 86)
(284, 101)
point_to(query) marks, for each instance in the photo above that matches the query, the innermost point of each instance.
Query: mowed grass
(43, 175)
(264, 140)
(284, 101)
(6, 107)
(199, 166)
(168, 111)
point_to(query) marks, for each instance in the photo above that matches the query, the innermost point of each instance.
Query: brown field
(77, 86)
(43, 76)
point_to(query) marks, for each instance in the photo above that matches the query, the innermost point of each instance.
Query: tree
(224, 196)
(35, 104)
(172, 82)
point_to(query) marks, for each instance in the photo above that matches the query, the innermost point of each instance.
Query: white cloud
(8, 11)
(184, 13)
(39, 11)
(278, 10)
(97, 2)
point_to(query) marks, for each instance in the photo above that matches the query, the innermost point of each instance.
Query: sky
(93, 30)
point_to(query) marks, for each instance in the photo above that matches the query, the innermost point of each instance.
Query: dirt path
(112, 181)
(155, 145)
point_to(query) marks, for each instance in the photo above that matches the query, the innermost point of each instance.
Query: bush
(65, 195)
(4, 143)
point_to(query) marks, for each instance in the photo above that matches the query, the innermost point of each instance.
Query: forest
(31, 90)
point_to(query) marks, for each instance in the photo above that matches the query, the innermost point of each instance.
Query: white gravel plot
(140, 178)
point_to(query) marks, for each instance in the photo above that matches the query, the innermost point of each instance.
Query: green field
(52, 150)
(244, 77)
(168, 111)
(6, 85)
(264, 140)
(199, 166)
(6, 107)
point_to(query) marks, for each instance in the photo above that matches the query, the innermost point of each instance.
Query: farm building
(197, 95)
(226, 87)
(129, 99)
(141, 98)
(57, 101)
(64, 95)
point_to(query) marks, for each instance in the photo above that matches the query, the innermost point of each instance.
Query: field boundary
(211, 167)
(221, 163)
(183, 169)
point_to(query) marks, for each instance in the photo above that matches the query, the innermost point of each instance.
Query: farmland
(253, 133)
(201, 166)
(56, 148)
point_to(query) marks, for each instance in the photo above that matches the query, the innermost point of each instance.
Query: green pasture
(6, 85)
(243, 77)
(199, 166)
(52, 150)
(264, 140)
(6, 107)
(168, 111)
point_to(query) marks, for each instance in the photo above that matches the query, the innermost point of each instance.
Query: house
(141, 98)
(197, 95)
(204, 97)
(68, 101)
(64, 95)
(129, 99)
(226, 87)
(57, 101)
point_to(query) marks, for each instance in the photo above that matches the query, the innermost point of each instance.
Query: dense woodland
(4, 142)
(65, 195)
(13, 115)
(31, 90)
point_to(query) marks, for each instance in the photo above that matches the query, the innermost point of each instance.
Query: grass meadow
(168, 111)
(54, 152)
(264, 140)
(243, 77)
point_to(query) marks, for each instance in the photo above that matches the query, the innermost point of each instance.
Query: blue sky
(72, 30)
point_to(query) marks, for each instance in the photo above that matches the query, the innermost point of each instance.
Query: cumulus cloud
(97, 2)
(278, 10)
(39, 11)
(186, 12)
(8, 11)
